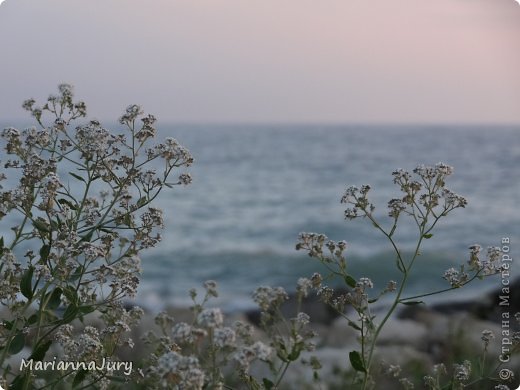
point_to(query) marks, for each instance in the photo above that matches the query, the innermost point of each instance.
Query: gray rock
(339, 334)
(403, 332)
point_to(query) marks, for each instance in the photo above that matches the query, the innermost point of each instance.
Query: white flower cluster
(181, 371)
(269, 297)
(462, 372)
(426, 189)
(456, 278)
(303, 287)
(80, 198)
(323, 249)
(487, 336)
(358, 198)
(488, 266)
(212, 347)
(211, 318)
(247, 354)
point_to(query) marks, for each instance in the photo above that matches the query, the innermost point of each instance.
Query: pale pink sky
(268, 60)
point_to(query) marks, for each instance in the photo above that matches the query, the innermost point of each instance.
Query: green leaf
(127, 220)
(282, 356)
(117, 379)
(20, 382)
(411, 303)
(356, 361)
(77, 273)
(51, 316)
(44, 253)
(86, 309)
(71, 294)
(55, 299)
(32, 319)
(71, 205)
(268, 384)
(354, 325)
(17, 343)
(77, 177)
(41, 226)
(351, 282)
(427, 236)
(142, 201)
(80, 376)
(1, 246)
(26, 283)
(40, 351)
(70, 314)
(87, 237)
(294, 355)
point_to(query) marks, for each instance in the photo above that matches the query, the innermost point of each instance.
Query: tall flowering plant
(424, 200)
(79, 201)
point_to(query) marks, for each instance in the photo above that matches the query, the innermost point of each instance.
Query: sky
(268, 61)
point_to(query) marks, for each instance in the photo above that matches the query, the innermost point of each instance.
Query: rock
(486, 307)
(403, 355)
(403, 332)
(339, 334)
(454, 331)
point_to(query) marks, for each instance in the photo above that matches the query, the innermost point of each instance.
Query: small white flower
(487, 336)
(302, 319)
(268, 297)
(181, 333)
(211, 288)
(262, 351)
(224, 337)
(185, 179)
(303, 286)
(211, 318)
(462, 371)
(365, 283)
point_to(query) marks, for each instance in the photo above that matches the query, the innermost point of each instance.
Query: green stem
(286, 366)
(441, 291)
(406, 273)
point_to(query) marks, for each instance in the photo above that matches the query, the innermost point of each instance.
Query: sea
(256, 187)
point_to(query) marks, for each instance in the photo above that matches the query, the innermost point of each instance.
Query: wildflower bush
(80, 203)
(424, 200)
(207, 353)
(83, 196)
